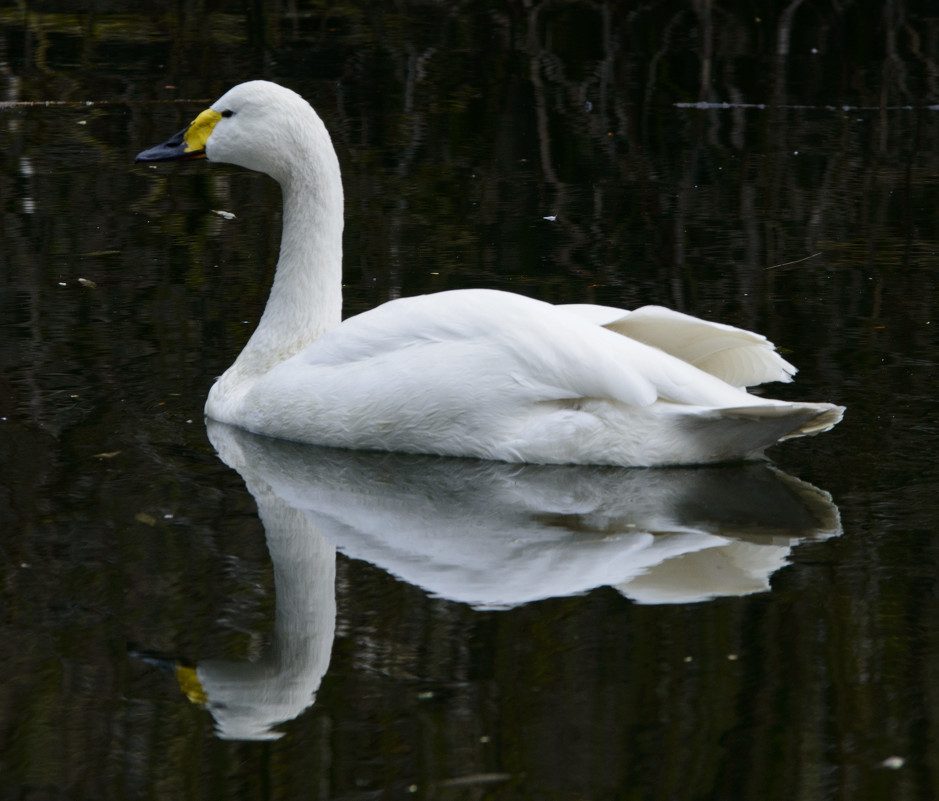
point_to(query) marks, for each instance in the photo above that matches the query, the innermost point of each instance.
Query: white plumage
(475, 372)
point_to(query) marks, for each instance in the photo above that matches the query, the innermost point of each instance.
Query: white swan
(473, 372)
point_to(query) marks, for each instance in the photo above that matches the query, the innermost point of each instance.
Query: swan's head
(259, 125)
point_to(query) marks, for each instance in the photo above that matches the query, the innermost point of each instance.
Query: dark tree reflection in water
(770, 166)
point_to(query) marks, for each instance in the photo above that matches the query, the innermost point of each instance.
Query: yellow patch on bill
(200, 129)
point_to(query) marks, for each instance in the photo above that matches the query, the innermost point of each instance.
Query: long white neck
(306, 296)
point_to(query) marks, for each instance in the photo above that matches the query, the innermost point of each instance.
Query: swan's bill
(188, 144)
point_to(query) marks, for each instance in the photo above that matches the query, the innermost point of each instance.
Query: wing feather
(739, 357)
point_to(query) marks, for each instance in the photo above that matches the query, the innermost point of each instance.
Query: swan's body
(478, 373)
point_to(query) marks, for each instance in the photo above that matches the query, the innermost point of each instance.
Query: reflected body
(479, 373)
(488, 534)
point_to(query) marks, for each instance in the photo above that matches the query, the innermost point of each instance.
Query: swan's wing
(494, 337)
(741, 358)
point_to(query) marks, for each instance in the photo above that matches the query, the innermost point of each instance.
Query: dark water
(470, 630)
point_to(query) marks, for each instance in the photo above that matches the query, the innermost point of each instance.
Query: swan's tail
(745, 432)
(825, 416)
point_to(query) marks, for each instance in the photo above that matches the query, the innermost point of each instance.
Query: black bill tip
(173, 149)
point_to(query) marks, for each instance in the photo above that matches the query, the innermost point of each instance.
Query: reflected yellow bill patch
(200, 130)
(189, 680)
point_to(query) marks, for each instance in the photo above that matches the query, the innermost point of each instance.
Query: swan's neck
(306, 297)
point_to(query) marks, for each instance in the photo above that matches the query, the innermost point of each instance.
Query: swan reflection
(488, 534)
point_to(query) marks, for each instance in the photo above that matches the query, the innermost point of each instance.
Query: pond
(190, 611)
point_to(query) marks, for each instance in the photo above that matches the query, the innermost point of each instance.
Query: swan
(474, 372)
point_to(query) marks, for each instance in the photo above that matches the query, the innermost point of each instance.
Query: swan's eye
(227, 113)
